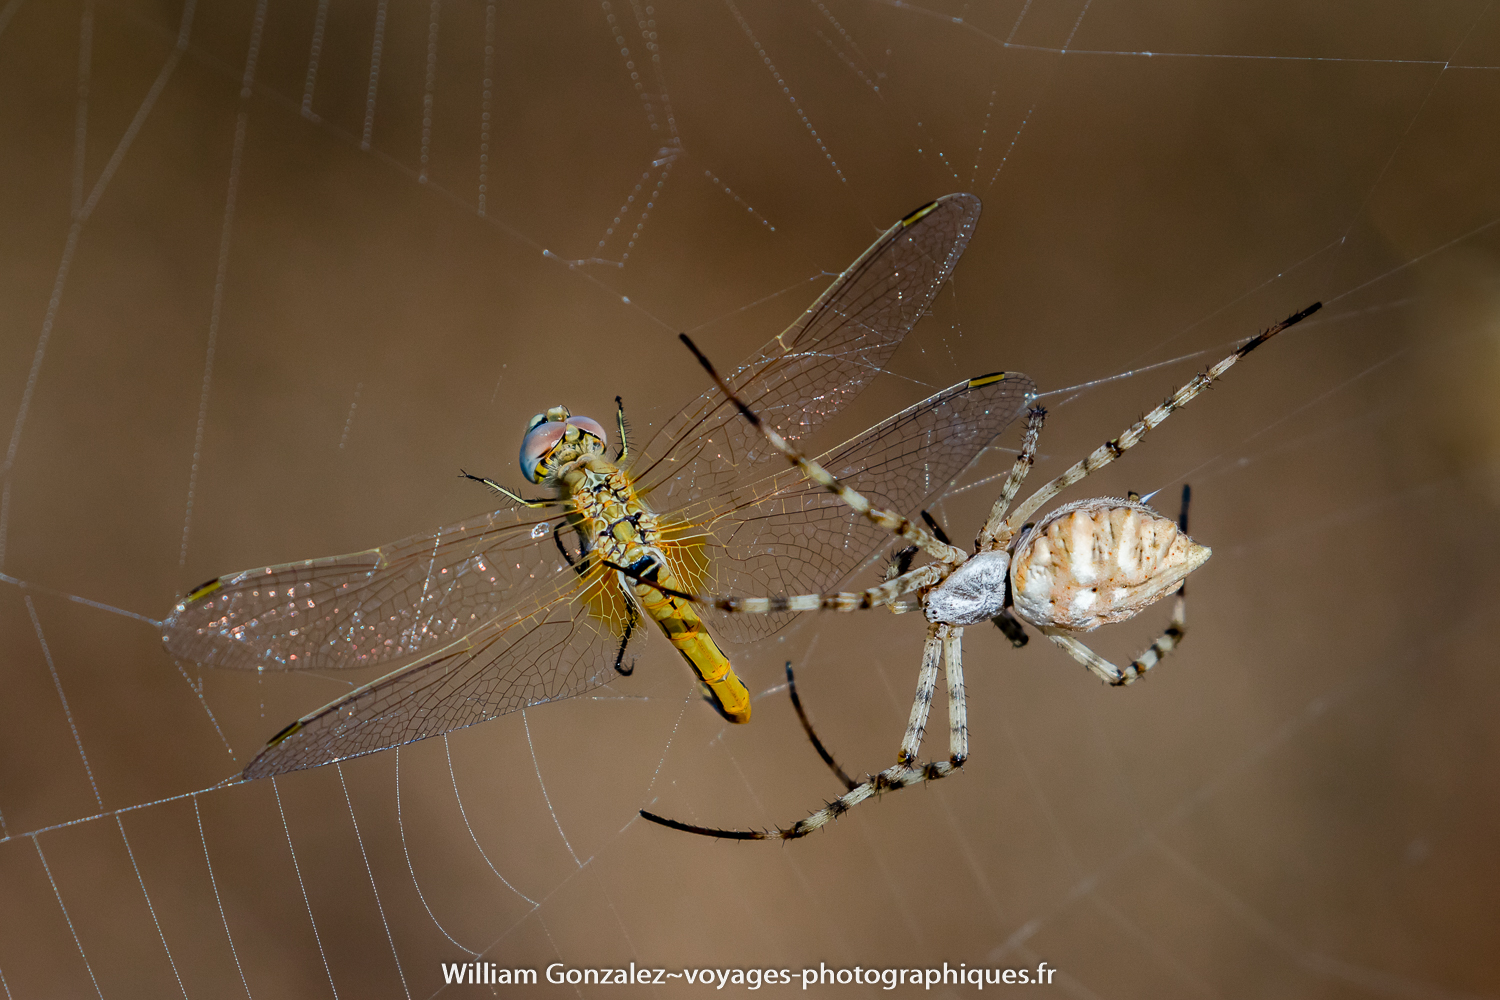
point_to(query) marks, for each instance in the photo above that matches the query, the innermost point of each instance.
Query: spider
(1088, 563)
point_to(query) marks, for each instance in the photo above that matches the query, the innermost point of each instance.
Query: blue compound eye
(537, 443)
(544, 434)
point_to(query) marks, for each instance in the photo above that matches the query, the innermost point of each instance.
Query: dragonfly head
(555, 438)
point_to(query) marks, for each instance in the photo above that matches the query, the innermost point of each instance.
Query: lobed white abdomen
(1099, 561)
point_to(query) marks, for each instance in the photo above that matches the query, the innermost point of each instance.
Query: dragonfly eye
(537, 445)
(545, 438)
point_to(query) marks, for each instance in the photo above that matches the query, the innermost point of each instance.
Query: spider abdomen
(1100, 561)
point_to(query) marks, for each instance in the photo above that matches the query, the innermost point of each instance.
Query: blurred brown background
(1302, 803)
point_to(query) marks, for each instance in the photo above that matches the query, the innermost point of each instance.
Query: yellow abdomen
(684, 629)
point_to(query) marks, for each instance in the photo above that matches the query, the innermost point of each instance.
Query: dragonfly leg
(581, 564)
(562, 548)
(894, 523)
(624, 452)
(630, 623)
(512, 497)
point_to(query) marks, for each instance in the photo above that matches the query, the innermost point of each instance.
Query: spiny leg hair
(515, 498)
(623, 454)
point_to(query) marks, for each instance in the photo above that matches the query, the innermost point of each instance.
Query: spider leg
(992, 535)
(958, 701)
(894, 523)
(942, 643)
(916, 724)
(935, 528)
(901, 562)
(922, 576)
(791, 686)
(1011, 626)
(1113, 449)
(1113, 675)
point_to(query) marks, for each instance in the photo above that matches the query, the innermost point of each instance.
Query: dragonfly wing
(559, 645)
(379, 606)
(784, 534)
(816, 365)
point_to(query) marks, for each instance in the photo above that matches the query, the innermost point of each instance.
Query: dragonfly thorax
(611, 516)
(556, 438)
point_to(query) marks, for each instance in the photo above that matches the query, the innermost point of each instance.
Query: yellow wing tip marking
(916, 215)
(201, 591)
(990, 379)
(284, 734)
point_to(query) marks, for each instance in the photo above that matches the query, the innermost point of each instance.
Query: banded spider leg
(1088, 563)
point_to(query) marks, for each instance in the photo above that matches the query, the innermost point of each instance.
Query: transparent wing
(485, 614)
(375, 607)
(560, 638)
(405, 600)
(785, 535)
(816, 365)
(563, 646)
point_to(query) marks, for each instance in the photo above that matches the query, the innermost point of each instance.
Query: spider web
(276, 269)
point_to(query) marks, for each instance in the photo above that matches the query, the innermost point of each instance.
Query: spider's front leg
(807, 727)
(994, 534)
(874, 597)
(1133, 435)
(892, 522)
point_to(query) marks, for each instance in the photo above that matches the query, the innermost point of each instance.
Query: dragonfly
(531, 603)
